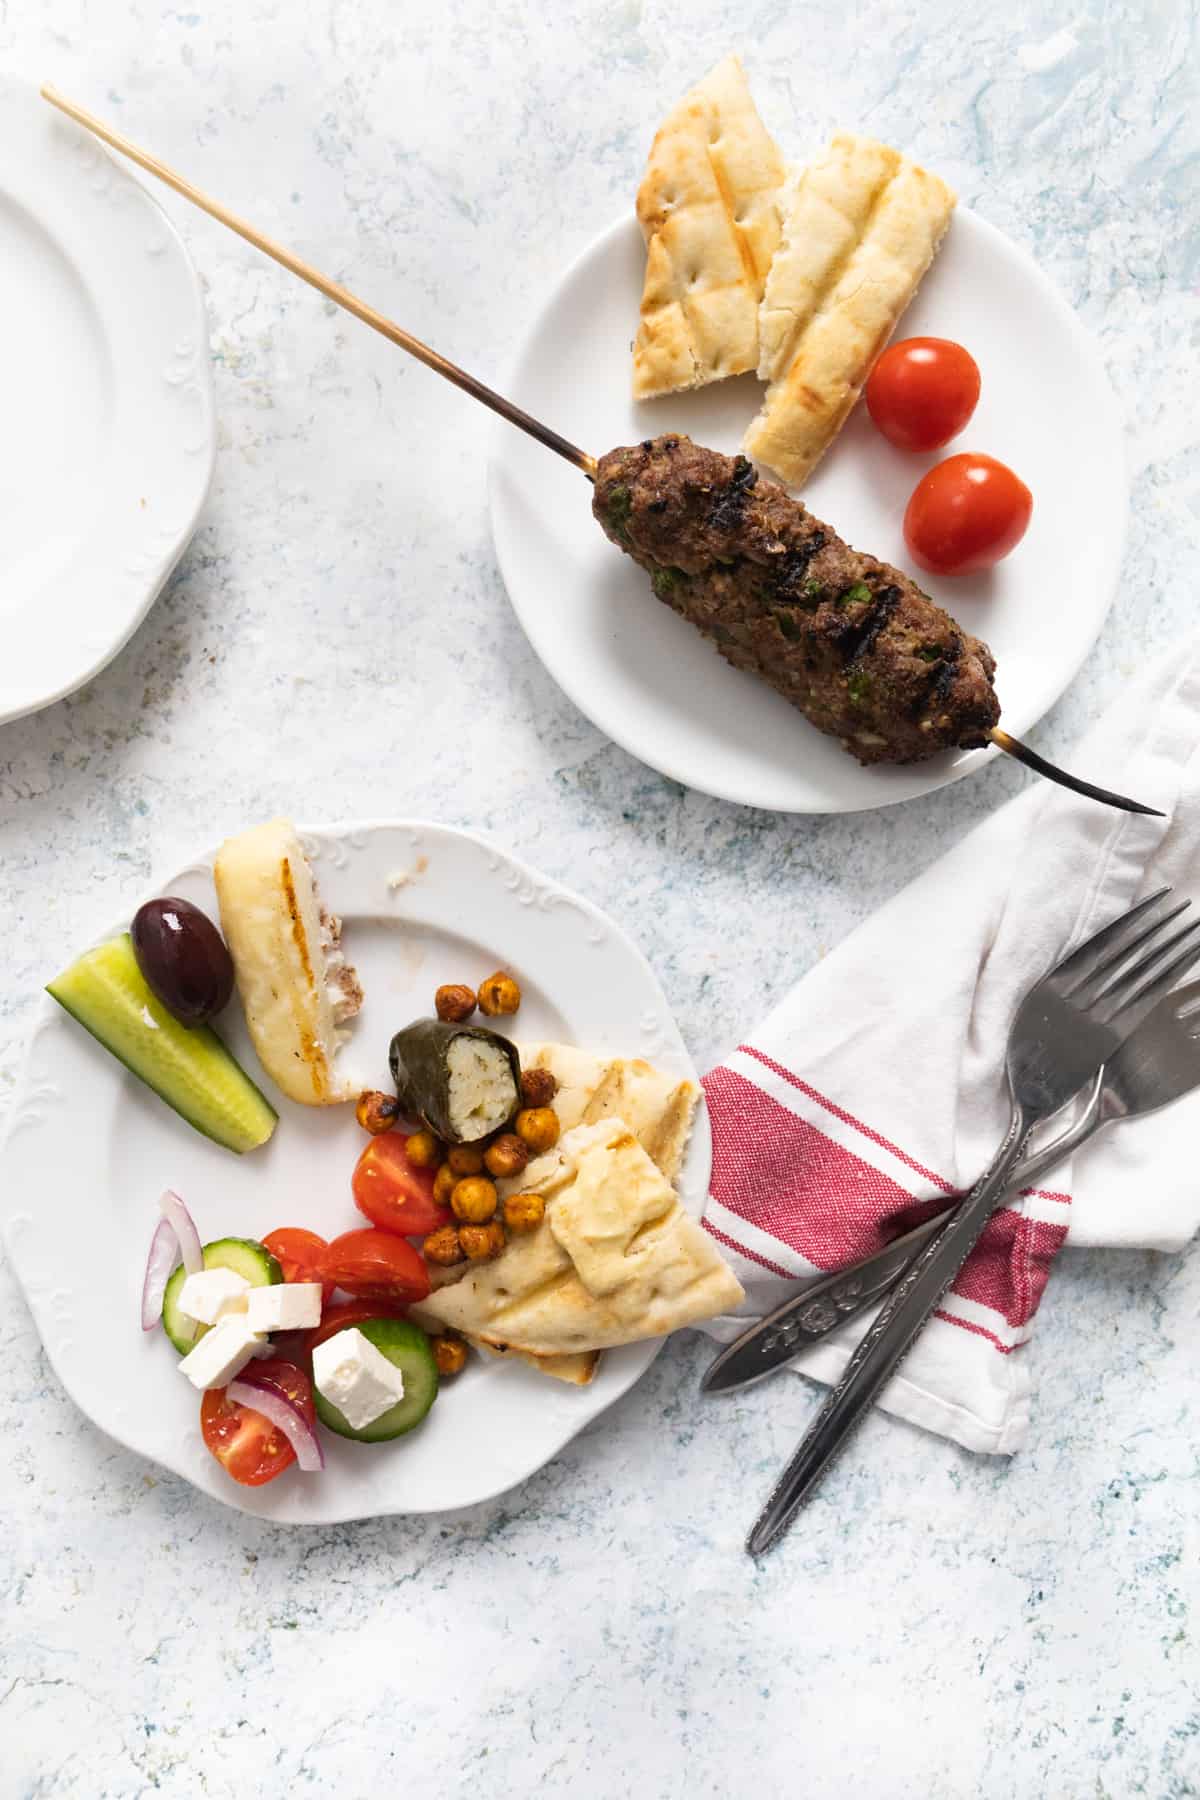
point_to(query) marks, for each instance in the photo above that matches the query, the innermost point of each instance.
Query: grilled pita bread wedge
(296, 987)
(658, 1108)
(577, 1367)
(861, 226)
(708, 214)
(615, 1261)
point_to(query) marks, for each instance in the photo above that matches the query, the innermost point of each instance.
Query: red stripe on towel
(838, 1112)
(784, 1176)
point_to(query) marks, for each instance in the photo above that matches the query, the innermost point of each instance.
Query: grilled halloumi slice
(296, 987)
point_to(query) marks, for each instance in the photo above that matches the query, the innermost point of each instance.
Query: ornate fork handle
(837, 1298)
(889, 1338)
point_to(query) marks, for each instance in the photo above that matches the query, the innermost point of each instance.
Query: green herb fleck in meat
(858, 686)
(856, 595)
(620, 505)
(665, 581)
(788, 624)
(931, 653)
(814, 591)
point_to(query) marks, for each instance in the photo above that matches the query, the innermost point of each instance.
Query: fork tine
(1095, 979)
(1152, 985)
(1083, 961)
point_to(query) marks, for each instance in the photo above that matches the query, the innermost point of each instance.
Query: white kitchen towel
(877, 1085)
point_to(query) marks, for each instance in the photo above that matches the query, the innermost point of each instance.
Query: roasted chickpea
(444, 1183)
(499, 994)
(454, 1003)
(424, 1151)
(506, 1156)
(450, 1353)
(538, 1087)
(524, 1212)
(537, 1127)
(466, 1159)
(481, 1242)
(442, 1247)
(474, 1200)
(377, 1112)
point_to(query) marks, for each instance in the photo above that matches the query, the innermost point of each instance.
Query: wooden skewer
(341, 296)
(1014, 747)
(333, 290)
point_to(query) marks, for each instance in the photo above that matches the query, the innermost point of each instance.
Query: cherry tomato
(298, 1253)
(392, 1193)
(246, 1445)
(922, 391)
(343, 1315)
(966, 514)
(376, 1265)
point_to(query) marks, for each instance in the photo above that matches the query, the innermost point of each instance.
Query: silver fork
(1158, 1062)
(1066, 1027)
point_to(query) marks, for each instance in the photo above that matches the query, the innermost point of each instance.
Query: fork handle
(823, 1306)
(889, 1338)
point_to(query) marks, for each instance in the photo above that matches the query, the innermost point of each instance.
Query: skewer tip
(1014, 747)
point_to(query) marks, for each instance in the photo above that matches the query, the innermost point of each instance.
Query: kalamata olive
(183, 958)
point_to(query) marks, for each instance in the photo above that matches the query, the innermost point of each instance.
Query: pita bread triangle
(615, 1261)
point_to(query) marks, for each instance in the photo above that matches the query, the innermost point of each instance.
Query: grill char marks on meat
(850, 641)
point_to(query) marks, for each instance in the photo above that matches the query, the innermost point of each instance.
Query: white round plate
(108, 442)
(660, 690)
(89, 1149)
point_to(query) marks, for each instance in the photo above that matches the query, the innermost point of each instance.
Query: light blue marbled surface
(337, 642)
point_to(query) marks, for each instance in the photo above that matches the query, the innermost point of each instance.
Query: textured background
(336, 642)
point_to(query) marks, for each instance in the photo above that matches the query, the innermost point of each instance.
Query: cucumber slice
(245, 1256)
(409, 1348)
(190, 1068)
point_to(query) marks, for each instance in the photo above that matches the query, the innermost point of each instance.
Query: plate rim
(161, 559)
(47, 1013)
(967, 762)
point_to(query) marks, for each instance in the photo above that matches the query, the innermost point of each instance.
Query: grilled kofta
(852, 642)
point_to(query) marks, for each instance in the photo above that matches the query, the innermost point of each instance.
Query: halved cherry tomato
(922, 391)
(298, 1253)
(376, 1265)
(966, 514)
(345, 1314)
(392, 1193)
(246, 1445)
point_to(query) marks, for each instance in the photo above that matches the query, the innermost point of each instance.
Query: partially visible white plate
(652, 683)
(108, 440)
(88, 1150)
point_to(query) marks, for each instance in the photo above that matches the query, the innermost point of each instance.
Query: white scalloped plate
(644, 676)
(421, 904)
(108, 438)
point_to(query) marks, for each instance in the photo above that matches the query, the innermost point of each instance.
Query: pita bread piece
(707, 209)
(616, 1261)
(578, 1368)
(659, 1109)
(861, 226)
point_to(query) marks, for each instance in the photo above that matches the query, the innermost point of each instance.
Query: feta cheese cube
(288, 1306)
(222, 1353)
(211, 1293)
(356, 1378)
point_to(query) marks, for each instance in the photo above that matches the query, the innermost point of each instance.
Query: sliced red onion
(164, 1248)
(190, 1248)
(264, 1397)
